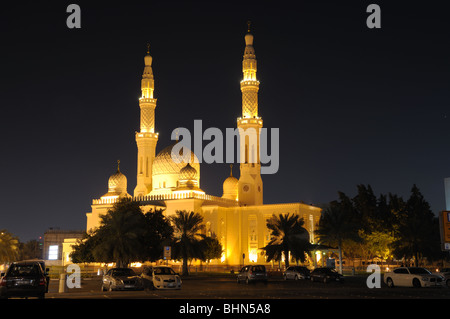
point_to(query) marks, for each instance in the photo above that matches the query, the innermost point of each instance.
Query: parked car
(445, 273)
(325, 274)
(161, 277)
(252, 273)
(412, 277)
(46, 270)
(23, 279)
(121, 279)
(296, 273)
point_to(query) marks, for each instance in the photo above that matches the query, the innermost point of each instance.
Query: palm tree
(288, 236)
(187, 227)
(335, 225)
(9, 247)
(120, 234)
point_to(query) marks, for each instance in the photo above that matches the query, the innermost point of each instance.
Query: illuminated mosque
(237, 218)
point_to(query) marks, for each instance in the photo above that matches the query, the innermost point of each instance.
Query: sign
(167, 252)
(53, 252)
(444, 221)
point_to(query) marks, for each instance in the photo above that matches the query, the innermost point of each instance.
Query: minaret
(146, 139)
(250, 187)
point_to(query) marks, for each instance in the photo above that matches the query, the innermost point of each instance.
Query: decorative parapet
(172, 196)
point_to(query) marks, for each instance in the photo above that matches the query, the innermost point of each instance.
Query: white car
(412, 277)
(161, 277)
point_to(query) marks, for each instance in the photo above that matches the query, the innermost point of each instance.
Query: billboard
(444, 222)
(447, 193)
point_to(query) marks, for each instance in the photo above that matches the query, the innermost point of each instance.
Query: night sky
(354, 105)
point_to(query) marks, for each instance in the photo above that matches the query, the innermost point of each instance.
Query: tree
(378, 244)
(416, 228)
(120, 231)
(30, 250)
(157, 234)
(287, 237)
(187, 227)
(82, 250)
(9, 247)
(337, 224)
(211, 248)
(366, 205)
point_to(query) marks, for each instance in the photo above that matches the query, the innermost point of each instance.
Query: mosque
(237, 218)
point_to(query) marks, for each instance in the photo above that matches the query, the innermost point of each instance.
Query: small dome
(117, 182)
(230, 186)
(188, 173)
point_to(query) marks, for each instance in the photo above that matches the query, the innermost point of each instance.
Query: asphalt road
(226, 287)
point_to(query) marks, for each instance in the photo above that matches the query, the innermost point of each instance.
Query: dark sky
(354, 105)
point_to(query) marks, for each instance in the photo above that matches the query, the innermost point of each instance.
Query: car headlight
(425, 278)
(157, 278)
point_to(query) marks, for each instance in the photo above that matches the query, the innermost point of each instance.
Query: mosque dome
(164, 164)
(230, 186)
(188, 173)
(117, 183)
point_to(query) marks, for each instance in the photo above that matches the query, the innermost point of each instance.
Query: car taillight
(3, 281)
(42, 281)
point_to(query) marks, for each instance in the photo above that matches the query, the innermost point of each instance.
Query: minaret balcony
(247, 83)
(146, 100)
(256, 120)
(143, 135)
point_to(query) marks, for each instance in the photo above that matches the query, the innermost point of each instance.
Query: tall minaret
(250, 187)
(146, 139)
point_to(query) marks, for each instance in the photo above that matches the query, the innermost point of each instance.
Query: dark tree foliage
(411, 224)
(125, 234)
(417, 229)
(287, 236)
(211, 248)
(158, 233)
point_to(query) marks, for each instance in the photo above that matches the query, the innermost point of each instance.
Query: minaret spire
(250, 124)
(147, 138)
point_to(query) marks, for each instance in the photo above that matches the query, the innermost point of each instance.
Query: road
(226, 287)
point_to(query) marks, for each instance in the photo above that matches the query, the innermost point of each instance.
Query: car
(161, 277)
(412, 277)
(296, 273)
(252, 273)
(24, 279)
(122, 279)
(46, 270)
(325, 274)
